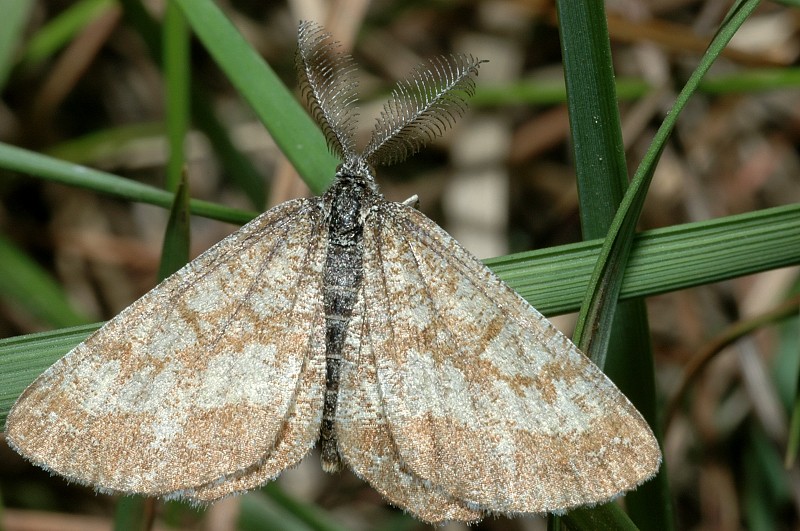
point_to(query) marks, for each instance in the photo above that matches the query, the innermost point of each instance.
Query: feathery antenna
(328, 87)
(422, 108)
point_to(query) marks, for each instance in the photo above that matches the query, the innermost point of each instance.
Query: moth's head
(356, 167)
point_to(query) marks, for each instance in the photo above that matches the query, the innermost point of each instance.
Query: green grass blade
(551, 91)
(58, 33)
(51, 169)
(259, 512)
(15, 18)
(176, 70)
(606, 280)
(25, 285)
(767, 489)
(593, 114)
(23, 358)
(602, 178)
(237, 166)
(175, 251)
(130, 514)
(786, 372)
(609, 517)
(662, 260)
(310, 514)
(753, 80)
(793, 445)
(650, 506)
(293, 130)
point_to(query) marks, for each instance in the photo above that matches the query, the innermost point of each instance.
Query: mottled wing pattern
(296, 437)
(365, 437)
(195, 388)
(483, 398)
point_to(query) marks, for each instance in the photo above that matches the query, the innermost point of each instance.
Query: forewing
(198, 379)
(365, 438)
(484, 397)
(297, 436)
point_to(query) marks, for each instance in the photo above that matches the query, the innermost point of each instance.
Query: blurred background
(85, 88)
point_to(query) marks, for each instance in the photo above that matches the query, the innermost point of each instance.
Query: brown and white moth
(350, 321)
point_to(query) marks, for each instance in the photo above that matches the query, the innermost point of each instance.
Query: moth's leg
(412, 201)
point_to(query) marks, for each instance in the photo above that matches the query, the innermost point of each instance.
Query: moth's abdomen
(341, 281)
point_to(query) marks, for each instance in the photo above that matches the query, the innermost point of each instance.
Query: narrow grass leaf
(290, 126)
(23, 358)
(176, 71)
(59, 31)
(131, 514)
(259, 512)
(601, 172)
(606, 282)
(236, 165)
(312, 515)
(25, 285)
(24, 161)
(15, 19)
(177, 238)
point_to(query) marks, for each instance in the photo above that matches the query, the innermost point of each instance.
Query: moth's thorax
(350, 196)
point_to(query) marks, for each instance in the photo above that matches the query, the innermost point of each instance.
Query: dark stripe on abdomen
(341, 281)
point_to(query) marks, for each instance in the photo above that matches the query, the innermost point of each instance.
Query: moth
(348, 322)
